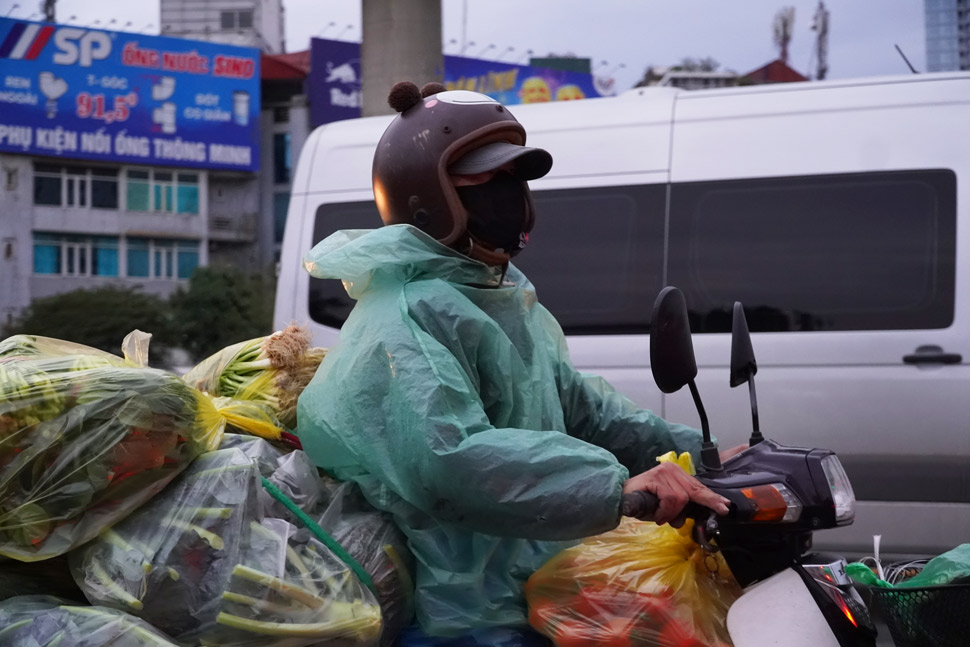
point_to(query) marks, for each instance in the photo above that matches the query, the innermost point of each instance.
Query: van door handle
(932, 355)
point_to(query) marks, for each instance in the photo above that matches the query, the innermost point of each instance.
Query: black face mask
(497, 212)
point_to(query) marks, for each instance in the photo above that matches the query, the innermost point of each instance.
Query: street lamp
(343, 31)
(146, 27)
(324, 30)
(470, 43)
(492, 46)
(508, 50)
(11, 10)
(528, 54)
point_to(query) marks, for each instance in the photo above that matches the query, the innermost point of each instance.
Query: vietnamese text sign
(93, 94)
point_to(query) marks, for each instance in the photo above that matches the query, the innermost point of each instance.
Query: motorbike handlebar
(643, 505)
(639, 505)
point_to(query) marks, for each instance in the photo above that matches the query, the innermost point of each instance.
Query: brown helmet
(435, 129)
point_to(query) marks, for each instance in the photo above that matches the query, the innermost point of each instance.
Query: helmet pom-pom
(432, 88)
(403, 95)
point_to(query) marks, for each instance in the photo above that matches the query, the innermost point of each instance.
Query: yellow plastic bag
(636, 586)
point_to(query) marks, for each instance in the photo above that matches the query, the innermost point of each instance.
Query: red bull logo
(74, 45)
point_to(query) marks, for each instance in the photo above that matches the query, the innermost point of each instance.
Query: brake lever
(704, 531)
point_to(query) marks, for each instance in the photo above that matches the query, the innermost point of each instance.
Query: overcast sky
(624, 36)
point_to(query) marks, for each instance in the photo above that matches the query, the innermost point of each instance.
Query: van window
(870, 251)
(329, 304)
(595, 257)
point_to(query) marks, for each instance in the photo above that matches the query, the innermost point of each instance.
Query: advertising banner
(83, 93)
(334, 85)
(510, 84)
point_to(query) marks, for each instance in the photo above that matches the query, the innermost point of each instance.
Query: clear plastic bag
(369, 536)
(201, 563)
(85, 438)
(638, 585)
(46, 621)
(380, 547)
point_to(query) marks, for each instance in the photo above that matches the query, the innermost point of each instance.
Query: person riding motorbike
(450, 397)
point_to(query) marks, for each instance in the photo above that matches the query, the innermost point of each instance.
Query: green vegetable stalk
(271, 370)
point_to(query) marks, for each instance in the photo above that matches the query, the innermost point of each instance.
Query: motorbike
(779, 496)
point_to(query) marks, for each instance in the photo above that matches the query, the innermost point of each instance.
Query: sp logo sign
(80, 46)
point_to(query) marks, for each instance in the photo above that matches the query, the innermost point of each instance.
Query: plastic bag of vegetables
(379, 546)
(46, 621)
(369, 536)
(639, 585)
(200, 563)
(272, 370)
(85, 438)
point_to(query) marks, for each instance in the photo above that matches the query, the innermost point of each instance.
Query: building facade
(249, 23)
(72, 224)
(947, 35)
(285, 127)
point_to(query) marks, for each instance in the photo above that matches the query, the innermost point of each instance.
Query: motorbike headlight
(841, 489)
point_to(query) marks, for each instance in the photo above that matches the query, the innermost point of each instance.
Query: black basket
(929, 616)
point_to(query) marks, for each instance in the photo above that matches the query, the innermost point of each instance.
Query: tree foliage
(222, 306)
(219, 307)
(99, 317)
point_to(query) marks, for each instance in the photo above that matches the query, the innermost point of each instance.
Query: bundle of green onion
(203, 565)
(272, 370)
(46, 621)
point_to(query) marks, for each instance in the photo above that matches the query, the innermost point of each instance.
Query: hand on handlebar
(674, 488)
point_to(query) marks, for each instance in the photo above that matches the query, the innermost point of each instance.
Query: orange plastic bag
(639, 585)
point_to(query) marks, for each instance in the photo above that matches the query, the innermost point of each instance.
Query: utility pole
(401, 42)
(821, 25)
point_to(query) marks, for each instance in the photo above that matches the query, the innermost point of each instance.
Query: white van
(837, 212)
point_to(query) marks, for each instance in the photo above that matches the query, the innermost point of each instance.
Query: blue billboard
(334, 84)
(75, 92)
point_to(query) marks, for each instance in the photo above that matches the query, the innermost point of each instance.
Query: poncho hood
(397, 253)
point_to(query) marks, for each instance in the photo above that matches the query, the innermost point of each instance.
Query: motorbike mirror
(672, 360)
(671, 351)
(743, 366)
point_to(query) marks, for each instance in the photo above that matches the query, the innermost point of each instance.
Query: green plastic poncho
(450, 399)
